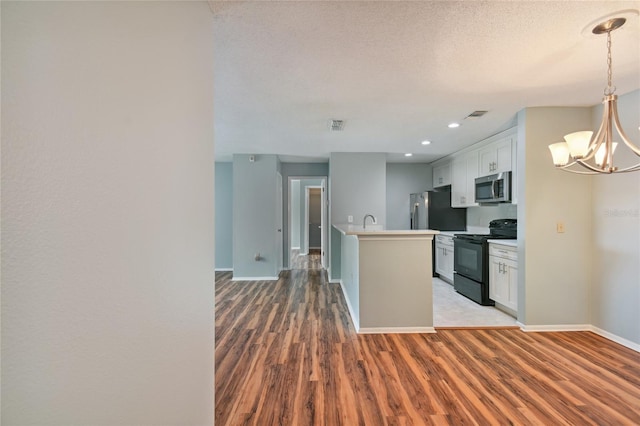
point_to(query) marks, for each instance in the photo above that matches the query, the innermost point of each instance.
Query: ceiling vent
(336, 125)
(475, 114)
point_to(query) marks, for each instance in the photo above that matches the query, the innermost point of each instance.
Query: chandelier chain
(610, 88)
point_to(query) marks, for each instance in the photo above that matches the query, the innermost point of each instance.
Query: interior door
(323, 225)
(279, 234)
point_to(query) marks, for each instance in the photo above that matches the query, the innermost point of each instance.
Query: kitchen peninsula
(386, 277)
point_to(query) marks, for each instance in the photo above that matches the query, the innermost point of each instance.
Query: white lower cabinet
(444, 257)
(503, 275)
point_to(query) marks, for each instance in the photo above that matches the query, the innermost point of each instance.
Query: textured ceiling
(399, 72)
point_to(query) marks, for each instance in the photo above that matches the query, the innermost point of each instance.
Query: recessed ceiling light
(426, 142)
(408, 154)
(453, 125)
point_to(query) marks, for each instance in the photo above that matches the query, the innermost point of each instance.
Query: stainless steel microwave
(494, 188)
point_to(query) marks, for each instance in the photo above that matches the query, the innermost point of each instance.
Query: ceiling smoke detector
(475, 114)
(336, 125)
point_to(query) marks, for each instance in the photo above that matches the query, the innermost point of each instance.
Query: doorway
(307, 223)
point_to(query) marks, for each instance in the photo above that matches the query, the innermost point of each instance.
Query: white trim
(620, 340)
(223, 269)
(581, 327)
(295, 248)
(396, 330)
(255, 278)
(315, 248)
(554, 327)
(354, 319)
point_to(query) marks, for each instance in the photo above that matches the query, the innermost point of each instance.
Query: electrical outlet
(560, 227)
(349, 219)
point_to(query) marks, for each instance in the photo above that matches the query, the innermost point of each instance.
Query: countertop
(510, 243)
(377, 230)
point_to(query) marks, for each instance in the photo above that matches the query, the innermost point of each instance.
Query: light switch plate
(349, 219)
(560, 227)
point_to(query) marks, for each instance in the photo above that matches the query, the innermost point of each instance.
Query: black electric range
(471, 259)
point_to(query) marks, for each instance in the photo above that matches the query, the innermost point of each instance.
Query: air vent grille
(336, 125)
(475, 114)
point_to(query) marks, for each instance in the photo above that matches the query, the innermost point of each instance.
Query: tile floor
(451, 309)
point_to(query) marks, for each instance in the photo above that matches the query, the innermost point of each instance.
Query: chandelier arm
(622, 134)
(590, 167)
(599, 136)
(629, 169)
(580, 172)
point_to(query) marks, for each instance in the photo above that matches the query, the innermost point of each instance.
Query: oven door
(468, 258)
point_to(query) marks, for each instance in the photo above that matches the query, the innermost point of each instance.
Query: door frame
(307, 195)
(325, 228)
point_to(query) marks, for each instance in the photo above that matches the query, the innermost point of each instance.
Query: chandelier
(595, 153)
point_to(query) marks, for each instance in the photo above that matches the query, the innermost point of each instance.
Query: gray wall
(224, 216)
(554, 273)
(107, 213)
(254, 216)
(296, 170)
(402, 180)
(295, 214)
(358, 186)
(615, 292)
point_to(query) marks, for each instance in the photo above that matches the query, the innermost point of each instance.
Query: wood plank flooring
(306, 261)
(287, 354)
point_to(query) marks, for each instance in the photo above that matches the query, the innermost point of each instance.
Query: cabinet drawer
(444, 240)
(505, 252)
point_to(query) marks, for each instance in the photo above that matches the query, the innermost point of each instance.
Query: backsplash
(482, 215)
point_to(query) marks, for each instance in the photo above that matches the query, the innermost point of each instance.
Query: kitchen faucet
(364, 221)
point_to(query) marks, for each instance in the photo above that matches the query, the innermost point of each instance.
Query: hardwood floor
(287, 354)
(306, 261)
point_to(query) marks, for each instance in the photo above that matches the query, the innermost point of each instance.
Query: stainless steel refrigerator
(432, 210)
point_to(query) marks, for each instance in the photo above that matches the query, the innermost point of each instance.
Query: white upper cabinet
(496, 157)
(442, 175)
(464, 171)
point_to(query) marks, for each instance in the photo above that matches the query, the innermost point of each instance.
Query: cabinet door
(471, 175)
(442, 175)
(503, 155)
(512, 279)
(498, 282)
(495, 157)
(459, 183)
(448, 258)
(487, 160)
(440, 264)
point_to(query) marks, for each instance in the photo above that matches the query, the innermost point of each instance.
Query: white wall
(615, 294)
(404, 179)
(107, 213)
(554, 271)
(480, 216)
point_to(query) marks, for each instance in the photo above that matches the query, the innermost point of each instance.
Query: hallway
(309, 261)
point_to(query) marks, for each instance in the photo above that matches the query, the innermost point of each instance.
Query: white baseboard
(582, 327)
(223, 269)
(354, 318)
(620, 340)
(396, 330)
(255, 279)
(554, 327)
